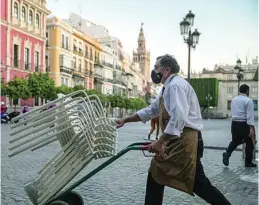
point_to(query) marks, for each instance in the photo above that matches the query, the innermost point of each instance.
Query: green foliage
(41, 85)
(3, 89)
(205, 86)
(18, 88)
(78, 87)
(63, 89)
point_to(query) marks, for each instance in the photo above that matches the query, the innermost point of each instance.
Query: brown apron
(177, 166)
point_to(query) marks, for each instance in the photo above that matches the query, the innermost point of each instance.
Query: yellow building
(72, 58)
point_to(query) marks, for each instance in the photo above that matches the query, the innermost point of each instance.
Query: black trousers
(202, 186)
(240, 134)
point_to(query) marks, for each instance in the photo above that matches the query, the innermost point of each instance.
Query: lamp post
(208, 99)
(191, 39)
(239, 72)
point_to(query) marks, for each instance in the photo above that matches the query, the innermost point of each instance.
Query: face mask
(156, 77)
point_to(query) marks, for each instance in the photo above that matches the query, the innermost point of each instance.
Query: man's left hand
(156, 147)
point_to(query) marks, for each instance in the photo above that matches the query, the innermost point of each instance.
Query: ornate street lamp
(208, 98)
(191, 39)
(239, 72)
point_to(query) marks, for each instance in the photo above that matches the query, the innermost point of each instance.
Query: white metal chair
(80, 126)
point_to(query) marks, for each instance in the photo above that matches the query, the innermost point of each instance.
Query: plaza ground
(123, 182)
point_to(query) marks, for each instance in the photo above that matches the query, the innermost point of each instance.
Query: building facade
(23, 27)
(73, 58)
(228, 84)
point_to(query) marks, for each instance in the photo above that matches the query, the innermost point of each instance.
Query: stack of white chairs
(80, 126)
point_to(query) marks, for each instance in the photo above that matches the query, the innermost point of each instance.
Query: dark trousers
(240, 134)
(202, 187)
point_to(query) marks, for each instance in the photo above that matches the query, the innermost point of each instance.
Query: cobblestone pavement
(123, 182)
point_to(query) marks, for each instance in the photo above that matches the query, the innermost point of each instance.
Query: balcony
(107, 64)
(80, 51)
(98, 73)
(88, 73)
(97, 63)
(118, 67)
(75, 49)
(78, 74)
(65, 69)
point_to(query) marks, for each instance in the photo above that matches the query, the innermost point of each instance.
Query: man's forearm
(133, 118)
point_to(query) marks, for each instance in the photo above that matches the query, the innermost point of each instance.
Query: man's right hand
(120, 123)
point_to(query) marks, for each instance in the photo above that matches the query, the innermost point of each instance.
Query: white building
(228, 84)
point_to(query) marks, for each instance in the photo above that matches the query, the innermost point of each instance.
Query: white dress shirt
(180, 102)
(242, 109)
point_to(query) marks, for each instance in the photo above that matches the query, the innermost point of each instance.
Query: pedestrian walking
(177, 161)
(242, 126)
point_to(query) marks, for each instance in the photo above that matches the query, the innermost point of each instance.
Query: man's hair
(169, 61)
(243, 88)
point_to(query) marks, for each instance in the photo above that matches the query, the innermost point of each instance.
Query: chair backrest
(80, 126)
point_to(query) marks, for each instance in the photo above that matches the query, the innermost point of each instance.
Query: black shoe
(251, 164)
(225, 159)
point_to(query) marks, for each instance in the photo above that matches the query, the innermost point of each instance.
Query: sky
(229, 28)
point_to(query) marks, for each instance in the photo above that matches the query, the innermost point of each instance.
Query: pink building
(23, 30)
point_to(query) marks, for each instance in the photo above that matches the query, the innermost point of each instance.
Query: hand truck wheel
(72, 198)
(58, 202)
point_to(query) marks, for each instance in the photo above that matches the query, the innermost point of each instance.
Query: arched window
(15, 10)
(23, 14)
(37, 21)
(30, 17)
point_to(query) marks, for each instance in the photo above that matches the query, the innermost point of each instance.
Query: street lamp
(239, 72)
(190, 38)
(208, 98)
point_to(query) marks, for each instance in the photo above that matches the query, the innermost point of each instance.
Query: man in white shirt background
(177, 162)
(242, 127)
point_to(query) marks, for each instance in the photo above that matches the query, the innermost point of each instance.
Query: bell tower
(142, 56)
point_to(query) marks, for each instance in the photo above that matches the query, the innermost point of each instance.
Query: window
(15, 10)
(63, 41)
(27, 58)
(47, 63)
(86, 65)
(66, 81)
(79, 65)
(230, 90)
(91, 54)
(16, 55)
(23, 14)
(254, 90)
(229, 104)
(37, 21)
(86, 51)
(74, 62)
(67, 43)
(36, 61)
(30, 18)
(62, 81)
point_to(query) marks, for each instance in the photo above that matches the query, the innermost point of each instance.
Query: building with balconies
(23, 29)
(59, 51)
(107, 60)
(72, 56)
(228, 84)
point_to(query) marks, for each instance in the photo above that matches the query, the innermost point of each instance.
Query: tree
(18, 88)
(3, 89)
(63, 89)
(48, 87)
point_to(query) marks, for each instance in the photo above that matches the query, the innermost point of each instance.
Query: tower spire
(141, 39)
